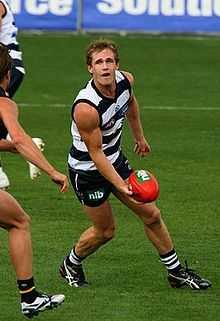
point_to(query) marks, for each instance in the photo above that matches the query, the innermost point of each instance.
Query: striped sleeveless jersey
(112, 114)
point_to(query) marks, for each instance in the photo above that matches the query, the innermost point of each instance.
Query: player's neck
(107, 91)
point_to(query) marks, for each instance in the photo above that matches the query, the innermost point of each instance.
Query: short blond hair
(99, 45)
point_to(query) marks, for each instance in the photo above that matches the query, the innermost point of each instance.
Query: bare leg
(154, 226)
(16, 221)
(101, 232)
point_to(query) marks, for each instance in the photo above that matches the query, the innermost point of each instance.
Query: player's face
(103, 67)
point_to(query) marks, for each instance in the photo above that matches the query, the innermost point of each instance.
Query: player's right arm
(87, 122)
(23, 143)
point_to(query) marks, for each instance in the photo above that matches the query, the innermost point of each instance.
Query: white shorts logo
(96, 195)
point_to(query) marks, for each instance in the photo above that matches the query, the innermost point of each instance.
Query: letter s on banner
(132, 7)
(110, 6)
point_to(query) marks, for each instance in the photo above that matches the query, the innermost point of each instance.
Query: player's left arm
(142, 147)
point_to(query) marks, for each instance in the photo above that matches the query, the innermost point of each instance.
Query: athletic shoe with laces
(186, 277)
(41, 303)
(73, 274)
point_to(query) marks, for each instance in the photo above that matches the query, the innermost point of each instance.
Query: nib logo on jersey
(95, 195)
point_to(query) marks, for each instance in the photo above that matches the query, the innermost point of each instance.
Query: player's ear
(89, 67)
(117, 66)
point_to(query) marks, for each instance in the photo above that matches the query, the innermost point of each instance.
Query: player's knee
(154, 216)
(108, 234)
(24, 222)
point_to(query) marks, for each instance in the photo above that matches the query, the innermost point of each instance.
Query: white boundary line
(179, 108)
(44, 105)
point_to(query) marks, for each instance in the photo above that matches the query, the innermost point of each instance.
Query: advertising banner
(45, 14)
(152, 15)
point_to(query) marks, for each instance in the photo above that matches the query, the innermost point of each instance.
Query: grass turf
(127, 280)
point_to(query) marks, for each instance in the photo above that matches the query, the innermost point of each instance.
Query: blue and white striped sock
(74, 258)
(171, 261)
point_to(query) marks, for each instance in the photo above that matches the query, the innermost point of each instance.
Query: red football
(144, 186)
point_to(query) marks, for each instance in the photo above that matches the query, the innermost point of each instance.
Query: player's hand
(125, 189)
(61, 180)
(142, 148)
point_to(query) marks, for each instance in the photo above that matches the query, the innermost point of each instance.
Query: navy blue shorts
(91, 188)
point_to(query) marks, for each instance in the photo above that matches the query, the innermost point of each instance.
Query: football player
(97, 167)
(8, 36)
(12, 216)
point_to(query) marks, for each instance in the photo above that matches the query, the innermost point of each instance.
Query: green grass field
(177, 85)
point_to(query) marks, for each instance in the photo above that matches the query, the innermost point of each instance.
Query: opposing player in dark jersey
(97, 167)
(8, 36)
(12, 217)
